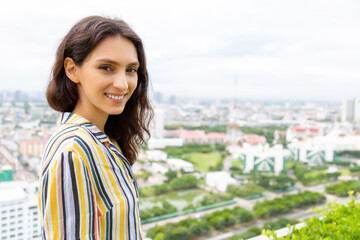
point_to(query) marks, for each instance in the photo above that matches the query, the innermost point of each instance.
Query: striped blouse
(87, 188)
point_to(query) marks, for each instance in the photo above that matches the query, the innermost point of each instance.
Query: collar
(73, 118)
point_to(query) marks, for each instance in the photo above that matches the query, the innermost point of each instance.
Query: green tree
(219, 147)
(180, 233)
(170, 174)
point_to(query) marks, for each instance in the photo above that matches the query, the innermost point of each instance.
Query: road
(227, 163)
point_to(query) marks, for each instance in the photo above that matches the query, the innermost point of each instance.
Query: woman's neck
(97, 119)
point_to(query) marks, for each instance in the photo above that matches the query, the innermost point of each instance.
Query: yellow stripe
(55, 145)
(54, 201)
(82, 196)
(107, 173)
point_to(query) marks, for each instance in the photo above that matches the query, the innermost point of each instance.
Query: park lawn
(345, 172)
(236, 163)
(203, 161)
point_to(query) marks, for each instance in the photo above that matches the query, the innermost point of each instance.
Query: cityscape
(212, 169)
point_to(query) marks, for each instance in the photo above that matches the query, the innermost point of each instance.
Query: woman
(99, 83)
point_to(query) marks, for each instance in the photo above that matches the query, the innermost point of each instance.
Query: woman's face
(107, 78)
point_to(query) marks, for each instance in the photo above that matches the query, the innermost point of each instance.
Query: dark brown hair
(129, 128)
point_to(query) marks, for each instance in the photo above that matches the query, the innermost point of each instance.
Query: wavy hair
(130, 128)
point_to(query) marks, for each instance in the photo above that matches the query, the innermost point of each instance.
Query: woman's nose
(120, 81)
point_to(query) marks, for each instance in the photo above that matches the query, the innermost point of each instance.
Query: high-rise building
(158, 97)
(158, 124)
(19, 213)
(357, 110)
(350, 110)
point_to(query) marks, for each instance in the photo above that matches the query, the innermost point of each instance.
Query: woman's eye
(132, 70)
(105, 68)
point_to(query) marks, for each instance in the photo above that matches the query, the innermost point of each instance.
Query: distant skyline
(276, 50)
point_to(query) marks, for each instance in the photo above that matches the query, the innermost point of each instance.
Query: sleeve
(68, 203)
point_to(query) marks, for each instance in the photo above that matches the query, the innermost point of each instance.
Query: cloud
(276, 49)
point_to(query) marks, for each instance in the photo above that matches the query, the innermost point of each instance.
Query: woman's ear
(71, 70)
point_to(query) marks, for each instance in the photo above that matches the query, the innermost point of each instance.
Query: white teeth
(115, 97)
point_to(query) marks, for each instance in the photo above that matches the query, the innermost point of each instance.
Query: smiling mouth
(115, 97)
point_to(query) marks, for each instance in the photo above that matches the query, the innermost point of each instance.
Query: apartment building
(19, 214)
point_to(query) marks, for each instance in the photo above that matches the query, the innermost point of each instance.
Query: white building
(159, 143)
(261, 157)
(347, 110)
(350, 110)
(179, 164)
(306, 131)
(219, 180)
(156, 155)
(159, 167)
(19, 213)
(357, 110)
(320, 149)
(157, 130)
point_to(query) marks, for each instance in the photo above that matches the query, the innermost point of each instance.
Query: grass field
(345, 172)
(236, 163)
(203, 161)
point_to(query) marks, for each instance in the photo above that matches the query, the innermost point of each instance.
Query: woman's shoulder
(68, 133)
(65, 139)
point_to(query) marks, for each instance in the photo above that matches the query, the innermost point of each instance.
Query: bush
(155, 211)
(251, 232)
(271, 181)
(342, 189)
(339, 222)
(308, 175)
(287, 203)
(217, 220)
(279, 223)
(355, 169)
(184, 182)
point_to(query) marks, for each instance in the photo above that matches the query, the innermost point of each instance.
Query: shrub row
(342, 189)
(271, 225)
(181, 183)
(287, 203)
(191, 227)
(313, 175)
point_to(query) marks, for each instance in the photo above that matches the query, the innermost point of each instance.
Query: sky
(255, 49)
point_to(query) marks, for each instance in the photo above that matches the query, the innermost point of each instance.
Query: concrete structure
(316, 154)
(159, 143)
(160, 168)
(350, 110)
(261, 157)
(357, 110)
(219, 180)
(19, 213)
(157, 130)
(156, 155)
(215, 137)
(347, 110)
(323, 149)
(234, 134)
(253, 139)
(179, 164)
(306, 131)
(32, 147)
(196, 136)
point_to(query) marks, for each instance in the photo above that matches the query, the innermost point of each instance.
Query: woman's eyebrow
(108, 60)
